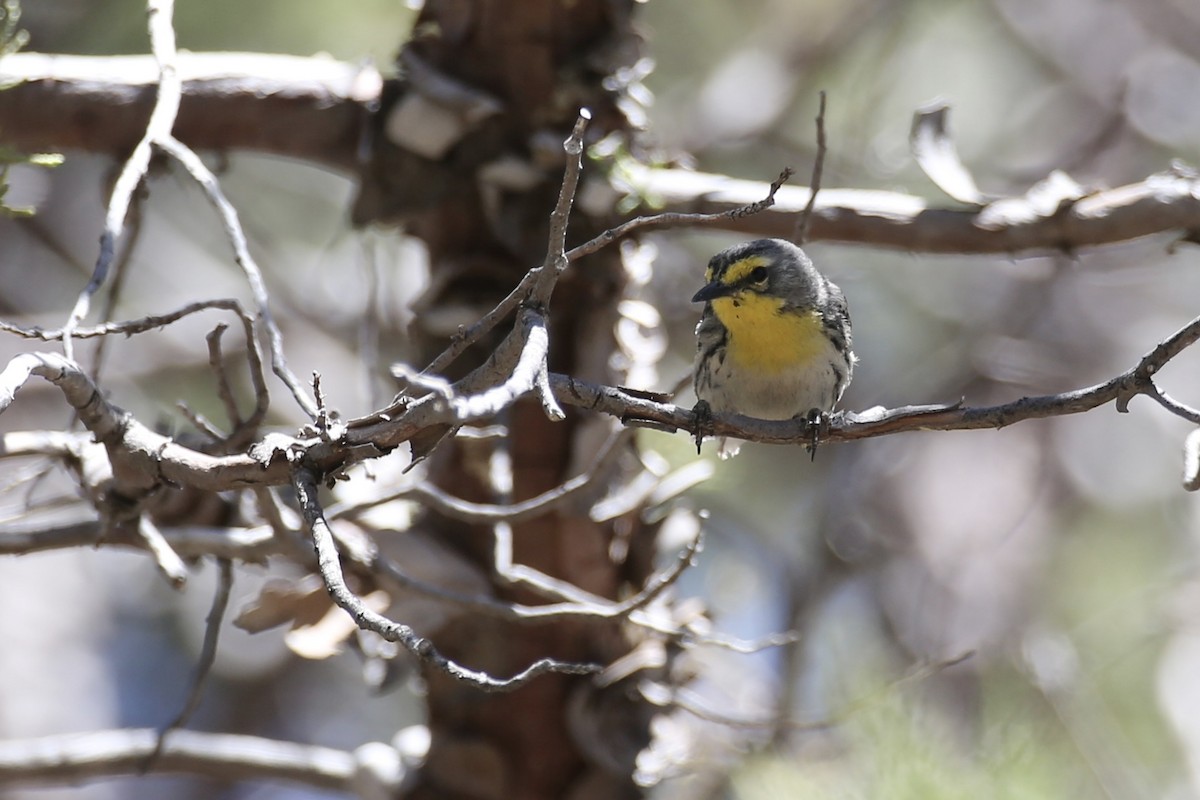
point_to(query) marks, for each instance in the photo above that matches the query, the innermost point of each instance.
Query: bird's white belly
(782, 395)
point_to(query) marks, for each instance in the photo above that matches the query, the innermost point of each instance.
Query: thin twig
(168, 561)
(237, 238)
(370, 326)
(154, 322)
(1171, 404)
(679, 219)
(204, 664)
(127, 328)
(446, 504)
(556, 249)
(584, 606)
(120, 270)
(330, 568)
(162, 119)
(216, 362)
(538, 282)
(804, 221)
(200, 422)
(534, 339)
(467, 336)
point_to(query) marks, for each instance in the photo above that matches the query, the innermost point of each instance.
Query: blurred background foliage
(1060, 555)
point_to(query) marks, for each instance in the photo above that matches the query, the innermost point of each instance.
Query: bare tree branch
(247, 545)
(158, 134)
(576, 604)
(120, 269)
(162, 40)
(204, 664)
(848, 426)
(804, 221)
(75, 757)
(434, 498)
(237, 238)
(314, 109)
(556, 250)
(165, 558)
(309, 108)
(684, 219)
(1163, 202)
(420, 647)
(132, 444)
(129, 327)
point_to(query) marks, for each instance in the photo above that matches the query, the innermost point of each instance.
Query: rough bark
(542, 61)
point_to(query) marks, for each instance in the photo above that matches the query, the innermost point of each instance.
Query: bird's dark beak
(711, 292)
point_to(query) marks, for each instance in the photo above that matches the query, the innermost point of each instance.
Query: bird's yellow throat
(764, 337)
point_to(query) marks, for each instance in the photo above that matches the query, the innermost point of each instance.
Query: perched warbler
(774, 339)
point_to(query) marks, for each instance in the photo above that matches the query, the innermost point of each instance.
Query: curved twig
(162, 119)
(330, 568)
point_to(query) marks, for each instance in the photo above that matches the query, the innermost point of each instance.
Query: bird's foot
(818, 425)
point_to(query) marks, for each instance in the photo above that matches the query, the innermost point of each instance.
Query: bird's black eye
(758, 275)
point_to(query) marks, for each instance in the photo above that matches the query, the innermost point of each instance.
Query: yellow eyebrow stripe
(738, 270)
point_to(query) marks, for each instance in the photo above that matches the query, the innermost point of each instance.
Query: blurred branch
(308, 108)
(1191, 461)
(581, 605)
(1163, 202)
(204, 664)
(936, 154)
(120, 269)
(247, 545)
(804, 220)
(315, 109)
(76, 757)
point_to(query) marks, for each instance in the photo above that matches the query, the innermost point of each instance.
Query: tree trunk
(542, 61)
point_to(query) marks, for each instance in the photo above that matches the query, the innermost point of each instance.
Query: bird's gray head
(765, 266)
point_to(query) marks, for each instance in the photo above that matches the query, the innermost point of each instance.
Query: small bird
(774, 341)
